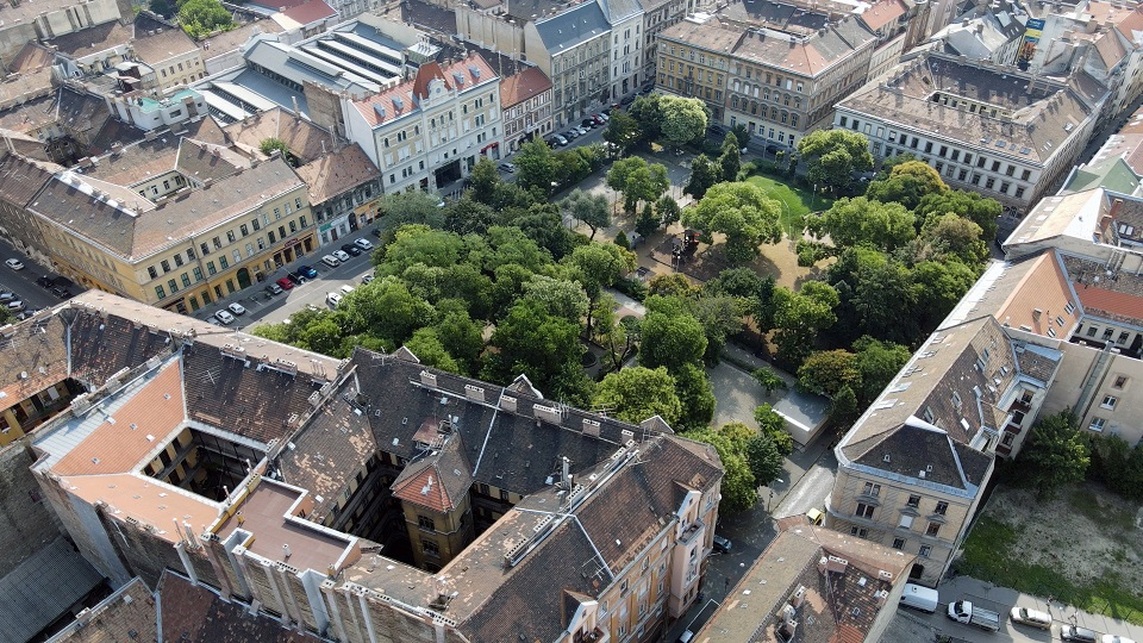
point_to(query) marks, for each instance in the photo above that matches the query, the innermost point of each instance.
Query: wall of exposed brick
(27, 522)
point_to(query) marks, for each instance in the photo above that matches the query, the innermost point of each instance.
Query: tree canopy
(684, 119)
(833, 156)
(906, 184)
(592, 210)
(740, 211)
(200, 18)
(638, 393)
(860, 221)
(637, 181)
(1056, 454)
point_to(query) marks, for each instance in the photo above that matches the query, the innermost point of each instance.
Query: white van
(919, 598)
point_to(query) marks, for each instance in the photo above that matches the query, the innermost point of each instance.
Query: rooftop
(569, 28)
(522, 86)
(405, 99)
(129, 614)
(336, 173)
(1029, 293)
(92, 40)
(1031, 120)
(832, 585)
(156, 42)
(194, 614)
(43, 587)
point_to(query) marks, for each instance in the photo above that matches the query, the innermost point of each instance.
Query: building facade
(526, 99)
(984, 128)
(428, 133)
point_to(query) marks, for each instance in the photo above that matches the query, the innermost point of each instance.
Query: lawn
(797, 202)
(1078, 548)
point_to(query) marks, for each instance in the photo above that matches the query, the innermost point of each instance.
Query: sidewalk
(965, 586)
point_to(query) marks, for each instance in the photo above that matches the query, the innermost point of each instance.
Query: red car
(285, 283)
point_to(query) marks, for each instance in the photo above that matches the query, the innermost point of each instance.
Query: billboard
(1033, 29)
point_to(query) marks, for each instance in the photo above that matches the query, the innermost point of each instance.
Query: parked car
(346, 289)
(582, 130)
(601, 119)
(1031, 618)
(276, 289)
(16, 306)
(224, 317)
(351, 249)
(284, 284)
(61, 292)
(376, 232)
(588, 123)
(341, 255)
(14, 264)
(1113, 638)
(6, 296)
(45, 282)
(508, 167)
(969, 613)
(367, 278)
(296, 278)
(560, 140)
(722, 544)
(333, 299)
(920, 598)
(571, 134)
(309, 272)
(1069, 632)
(236, 308)
(363, 244)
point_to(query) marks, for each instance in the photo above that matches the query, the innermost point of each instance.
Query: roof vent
(379, 109)
(428, 379)
(474, 392)
(508, 403)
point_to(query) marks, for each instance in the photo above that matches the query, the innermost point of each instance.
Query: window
(152, 273)
(166, 266)
(424, 522)
(159, 292)
(1123, 337)
(430, 547)
(1109, 402)
(925, 551)
(178, 260)
(864, 511)
(933, 529)
(173, 285)
(504, 495)
(1120, 381)
(860, 532)
(1097, 424)
(914, 501)
(898, 543)
(230, 236)
(872, 489)
(186, 280)
(942, 507)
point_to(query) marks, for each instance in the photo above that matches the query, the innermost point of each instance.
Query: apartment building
(172, 58)
(658, 15)
(175, 222)
(625, 18)
(913, 468)
(694, 61)
(526, 99)
(988, 129)
(427, 133)
(256, 450)
(344, 191)
(574, 49)
(813, 584)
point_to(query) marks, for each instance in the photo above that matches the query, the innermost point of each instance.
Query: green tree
(387, 310)
(981, 210)
(667, 209)
(704, 174)
(592, 210)
(200, 18)
(672, 285)
(622, 131)
(684, 119)
(270, 145)
(671, 340)
(742, 134)
(878, 363)
(799, 317)
(938, 286)
(400, 208)
(774, 425)
(1056, 454)
(740, 211)
(843, 408)
(765, 459)
(165, 8)
(467, 215)
(428, 348)
(951, 234)
(417, 243)
(637, 181)
(636, 394)
(461, 338)
(833, 156)
(825, 372)
(696, 395)
(562, 298)
(856, 221)
(484, 181)
(597, 266)
(769, 380)
(535, 167)
(1118, 465)
(906, 184)
(730, 161)
(540, 345)
(721, 317)
(647, 223)
(621, 240)
(648, 113)
(739, 489)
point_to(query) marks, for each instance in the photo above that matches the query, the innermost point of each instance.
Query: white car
(14, 264)
(331, 261)
(236, 308)
(1031, 618)
(1112, 638)
(363, 244)
(224, 317)
(341, 255)
(333, 299)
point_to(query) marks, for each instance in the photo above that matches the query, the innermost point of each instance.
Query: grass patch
(797, 202)
(1085, 502)
(987, 556)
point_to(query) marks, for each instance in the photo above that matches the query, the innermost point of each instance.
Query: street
(23, 282)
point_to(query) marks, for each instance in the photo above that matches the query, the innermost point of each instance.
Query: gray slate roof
(41, 588)
(571, 28)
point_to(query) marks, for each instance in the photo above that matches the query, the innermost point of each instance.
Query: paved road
(23, 282)
(262, 307)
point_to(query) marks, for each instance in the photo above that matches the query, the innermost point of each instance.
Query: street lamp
(770, 501)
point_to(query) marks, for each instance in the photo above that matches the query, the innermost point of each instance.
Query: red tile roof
(518, 88)
(882, 13)
(402, 95)
(1096, 299)
(311, 11)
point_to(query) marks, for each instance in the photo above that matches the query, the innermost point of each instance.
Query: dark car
(588, 123)
(62, 293)
(351, 249)
(297, 277)
(309, 272)
(627, 100)
(45, 282)
(376, 232)
(774, 149)
(722, 544)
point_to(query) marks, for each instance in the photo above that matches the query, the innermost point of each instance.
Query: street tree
(696, 395)
(833, 156)
(906, 184)
(483, 181)
(622, 131)
(730, 160)
(765, 459)
(742, 134)
(878, 363)
(1056, 454)
(597, 266)
(860, 221)
(400, 208)
(637, 181)
(739, 489)
(535, 166)
(592, 210)
(667, 210)
(951, 234)
(428, 348)
(800, 316)
(638, 393)
(774, 425)
(740, 211)
(386, 309)
(684, 119)
(844, 408)
(704, 174)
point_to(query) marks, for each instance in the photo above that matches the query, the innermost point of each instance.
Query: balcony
(690, 533)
